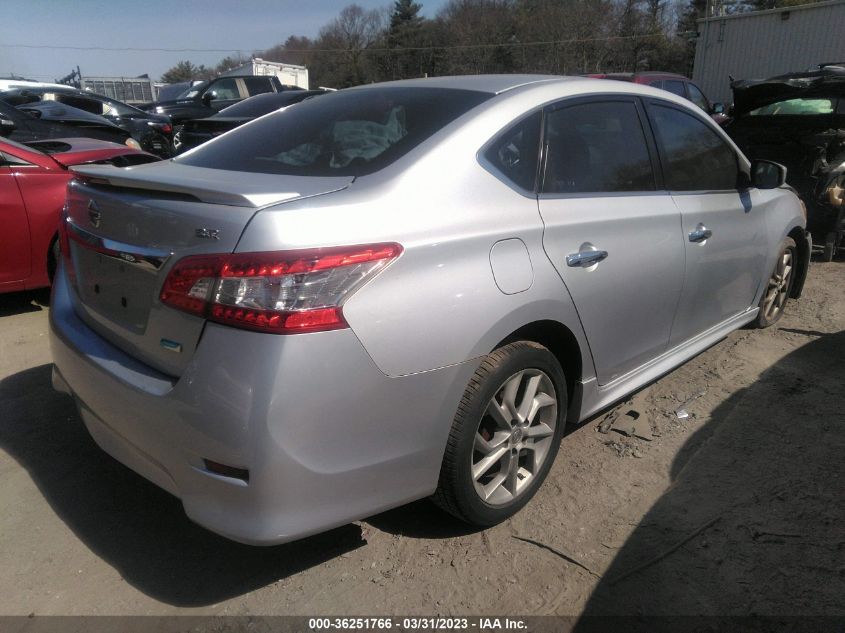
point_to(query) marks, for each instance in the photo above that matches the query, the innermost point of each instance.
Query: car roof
(493, 84)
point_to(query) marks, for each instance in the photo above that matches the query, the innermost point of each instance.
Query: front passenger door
(610, 231)
(723, 226)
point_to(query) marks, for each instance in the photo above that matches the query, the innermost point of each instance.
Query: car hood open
(750, 94)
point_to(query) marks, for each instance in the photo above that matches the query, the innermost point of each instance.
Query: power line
(341, 50)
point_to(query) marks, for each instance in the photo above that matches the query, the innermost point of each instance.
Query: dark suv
(206, 99)
(198, 131)
(153, 132)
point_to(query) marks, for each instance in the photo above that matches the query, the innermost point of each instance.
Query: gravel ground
(738, 508)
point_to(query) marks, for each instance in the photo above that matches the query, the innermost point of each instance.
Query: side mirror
(208, 97)
(6, 127)
(718, 108)
(766, 174)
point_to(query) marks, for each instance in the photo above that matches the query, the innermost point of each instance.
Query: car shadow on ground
(421, 519)
(22, 302)
(754, 521)
(134, 526)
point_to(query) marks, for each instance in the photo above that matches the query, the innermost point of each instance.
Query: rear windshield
(345, 133)
(793, 107)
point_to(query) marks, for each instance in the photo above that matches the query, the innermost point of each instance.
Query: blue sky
(239, 25)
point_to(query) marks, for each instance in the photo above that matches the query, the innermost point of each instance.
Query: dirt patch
(737, 507)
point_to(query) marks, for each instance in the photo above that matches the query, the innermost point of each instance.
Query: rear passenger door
(723, 227)
(610, 231)
(15, 260)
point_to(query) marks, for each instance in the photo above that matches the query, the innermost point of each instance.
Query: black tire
(157, 144)
(829, 247)
(53, 256)
(178, 147)
(765, 317)
(456, 492)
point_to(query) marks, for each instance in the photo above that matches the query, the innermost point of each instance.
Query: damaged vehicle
(405, 290)
(798, 120)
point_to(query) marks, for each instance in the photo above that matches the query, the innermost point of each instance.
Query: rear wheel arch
(563, 344)
(803, 263)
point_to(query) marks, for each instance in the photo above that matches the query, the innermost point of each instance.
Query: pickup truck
(205, 99)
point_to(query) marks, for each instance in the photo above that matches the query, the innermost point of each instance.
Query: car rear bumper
(325, 436)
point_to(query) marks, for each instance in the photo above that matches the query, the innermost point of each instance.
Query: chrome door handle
(700, 234)
(585, 259)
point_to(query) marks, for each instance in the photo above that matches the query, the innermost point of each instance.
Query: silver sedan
(406, 290)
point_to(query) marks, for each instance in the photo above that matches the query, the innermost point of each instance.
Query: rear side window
(89, 105)
(515, 153)
(257, 85)
(695, 157)
(345, 133)
(596, 147)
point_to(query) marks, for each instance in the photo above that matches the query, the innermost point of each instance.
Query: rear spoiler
(212, 186)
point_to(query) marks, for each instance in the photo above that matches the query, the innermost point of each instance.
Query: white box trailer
(762, 44)
(288, 74)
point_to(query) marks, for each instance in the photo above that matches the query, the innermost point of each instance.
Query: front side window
(514, 153)
(698, 98)
(695, 157)
(596, 147)
(225, 89)
(345, 133)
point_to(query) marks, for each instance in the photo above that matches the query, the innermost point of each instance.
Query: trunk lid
(127, 228)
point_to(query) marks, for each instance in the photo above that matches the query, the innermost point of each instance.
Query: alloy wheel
(514, 436)
(778, 288)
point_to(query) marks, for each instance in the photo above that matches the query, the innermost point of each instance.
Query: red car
(676, 84)
(33, 181)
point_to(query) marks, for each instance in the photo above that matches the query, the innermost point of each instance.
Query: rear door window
(349, 132)
(596, 147)
(694, 156)
(675, 87)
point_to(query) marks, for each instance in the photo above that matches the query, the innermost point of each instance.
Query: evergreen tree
(404, 37)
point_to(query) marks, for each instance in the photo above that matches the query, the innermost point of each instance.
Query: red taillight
(283, 293)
